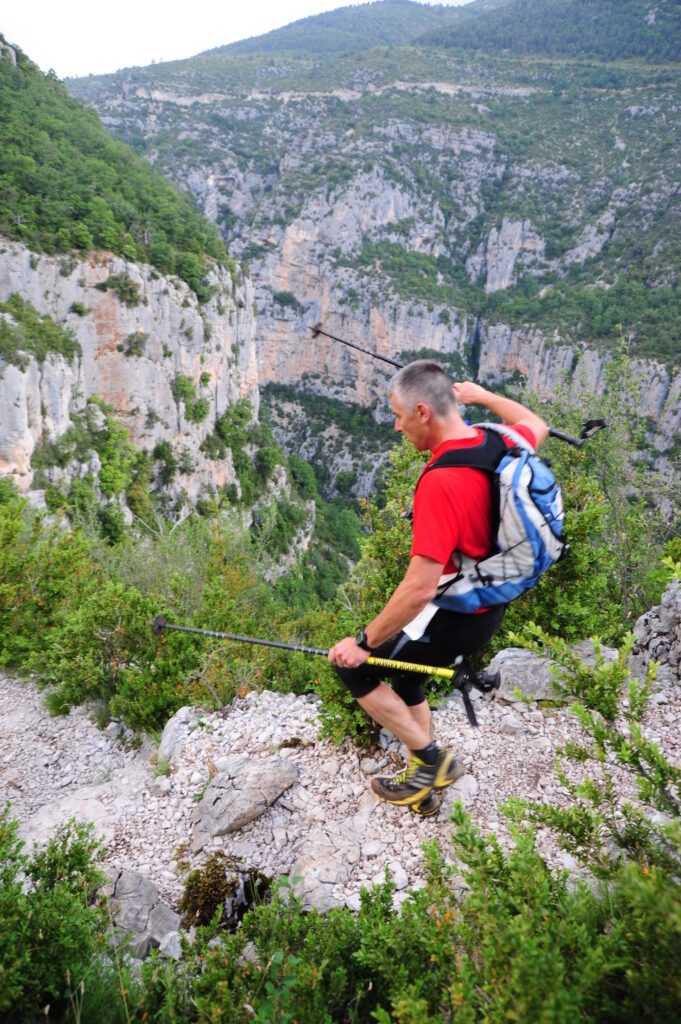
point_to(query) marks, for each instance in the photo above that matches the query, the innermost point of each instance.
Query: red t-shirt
(453, 508)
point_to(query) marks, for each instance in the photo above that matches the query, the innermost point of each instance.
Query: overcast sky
(80, 37)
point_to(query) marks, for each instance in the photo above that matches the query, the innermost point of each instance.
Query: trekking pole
(317, 329)
(590, 428)
(466, 678)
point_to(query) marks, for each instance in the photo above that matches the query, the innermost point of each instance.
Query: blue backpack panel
(529, 523)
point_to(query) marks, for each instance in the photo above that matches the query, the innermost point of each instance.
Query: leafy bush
(182, 388)
(610, 705)
(288, 301)
(195, 409)
(134, 344)
(51, 931)
(41, 570)
(163, 453)
(95, 430)
(254, 453)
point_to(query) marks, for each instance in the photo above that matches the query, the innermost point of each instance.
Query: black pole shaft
(159, 624)
(367, 351)
(576, 441)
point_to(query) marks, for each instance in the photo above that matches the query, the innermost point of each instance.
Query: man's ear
(423, 411)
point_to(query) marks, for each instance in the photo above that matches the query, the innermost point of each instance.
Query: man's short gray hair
(424, 381)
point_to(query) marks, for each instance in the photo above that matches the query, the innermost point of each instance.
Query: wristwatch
(361, 641)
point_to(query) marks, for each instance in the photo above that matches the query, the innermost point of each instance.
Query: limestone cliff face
(496, 258)
(547, 365)
(396, 199)
(350, 302)
(130, 356)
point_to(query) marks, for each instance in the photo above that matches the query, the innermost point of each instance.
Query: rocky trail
(255, 782)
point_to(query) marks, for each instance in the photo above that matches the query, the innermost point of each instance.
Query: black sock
(428, 754)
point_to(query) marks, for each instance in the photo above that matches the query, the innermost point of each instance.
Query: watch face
(361, 639)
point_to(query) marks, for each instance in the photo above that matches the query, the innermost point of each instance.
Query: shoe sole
(428, 807)
(406, 801)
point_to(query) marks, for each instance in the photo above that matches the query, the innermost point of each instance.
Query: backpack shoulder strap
(484, 456)
(504, 430)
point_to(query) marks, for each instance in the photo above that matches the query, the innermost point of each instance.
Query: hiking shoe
(448, 769)
(413, 785)
(428, 806)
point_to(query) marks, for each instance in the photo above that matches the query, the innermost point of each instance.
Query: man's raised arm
(506, 409)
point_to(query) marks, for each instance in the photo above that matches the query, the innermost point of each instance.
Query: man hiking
(453, 513)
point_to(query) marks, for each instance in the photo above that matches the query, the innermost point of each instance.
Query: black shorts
(448, 635)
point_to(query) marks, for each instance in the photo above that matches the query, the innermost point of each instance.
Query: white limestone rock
(524, 671)
(239, 793)
(176, 732)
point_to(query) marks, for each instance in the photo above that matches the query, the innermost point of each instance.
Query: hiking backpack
(528, 528)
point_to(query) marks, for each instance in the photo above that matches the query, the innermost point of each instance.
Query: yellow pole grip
(409, 666)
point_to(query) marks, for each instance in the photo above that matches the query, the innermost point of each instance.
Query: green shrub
(163, 453)
(95, 430)
(133, 345)
(288, 301)
(610, 705)
(79, 309)
(51, 932)
(137, 493)
(182, 388)
(102, 648)
(195, 409)
(254, 452)
(41, 569)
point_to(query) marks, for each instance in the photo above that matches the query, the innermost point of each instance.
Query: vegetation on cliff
(25, 333)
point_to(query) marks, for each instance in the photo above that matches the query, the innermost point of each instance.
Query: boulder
(176, 732)
(137, 909)
(658, 638)
(241, 791)
(532, 675)
(324, 859)
(525, 671)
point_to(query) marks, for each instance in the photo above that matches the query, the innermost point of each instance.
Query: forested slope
(65, 184)
(607, 29)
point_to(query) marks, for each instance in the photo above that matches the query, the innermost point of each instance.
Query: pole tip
(315, 328)
(158, 625)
